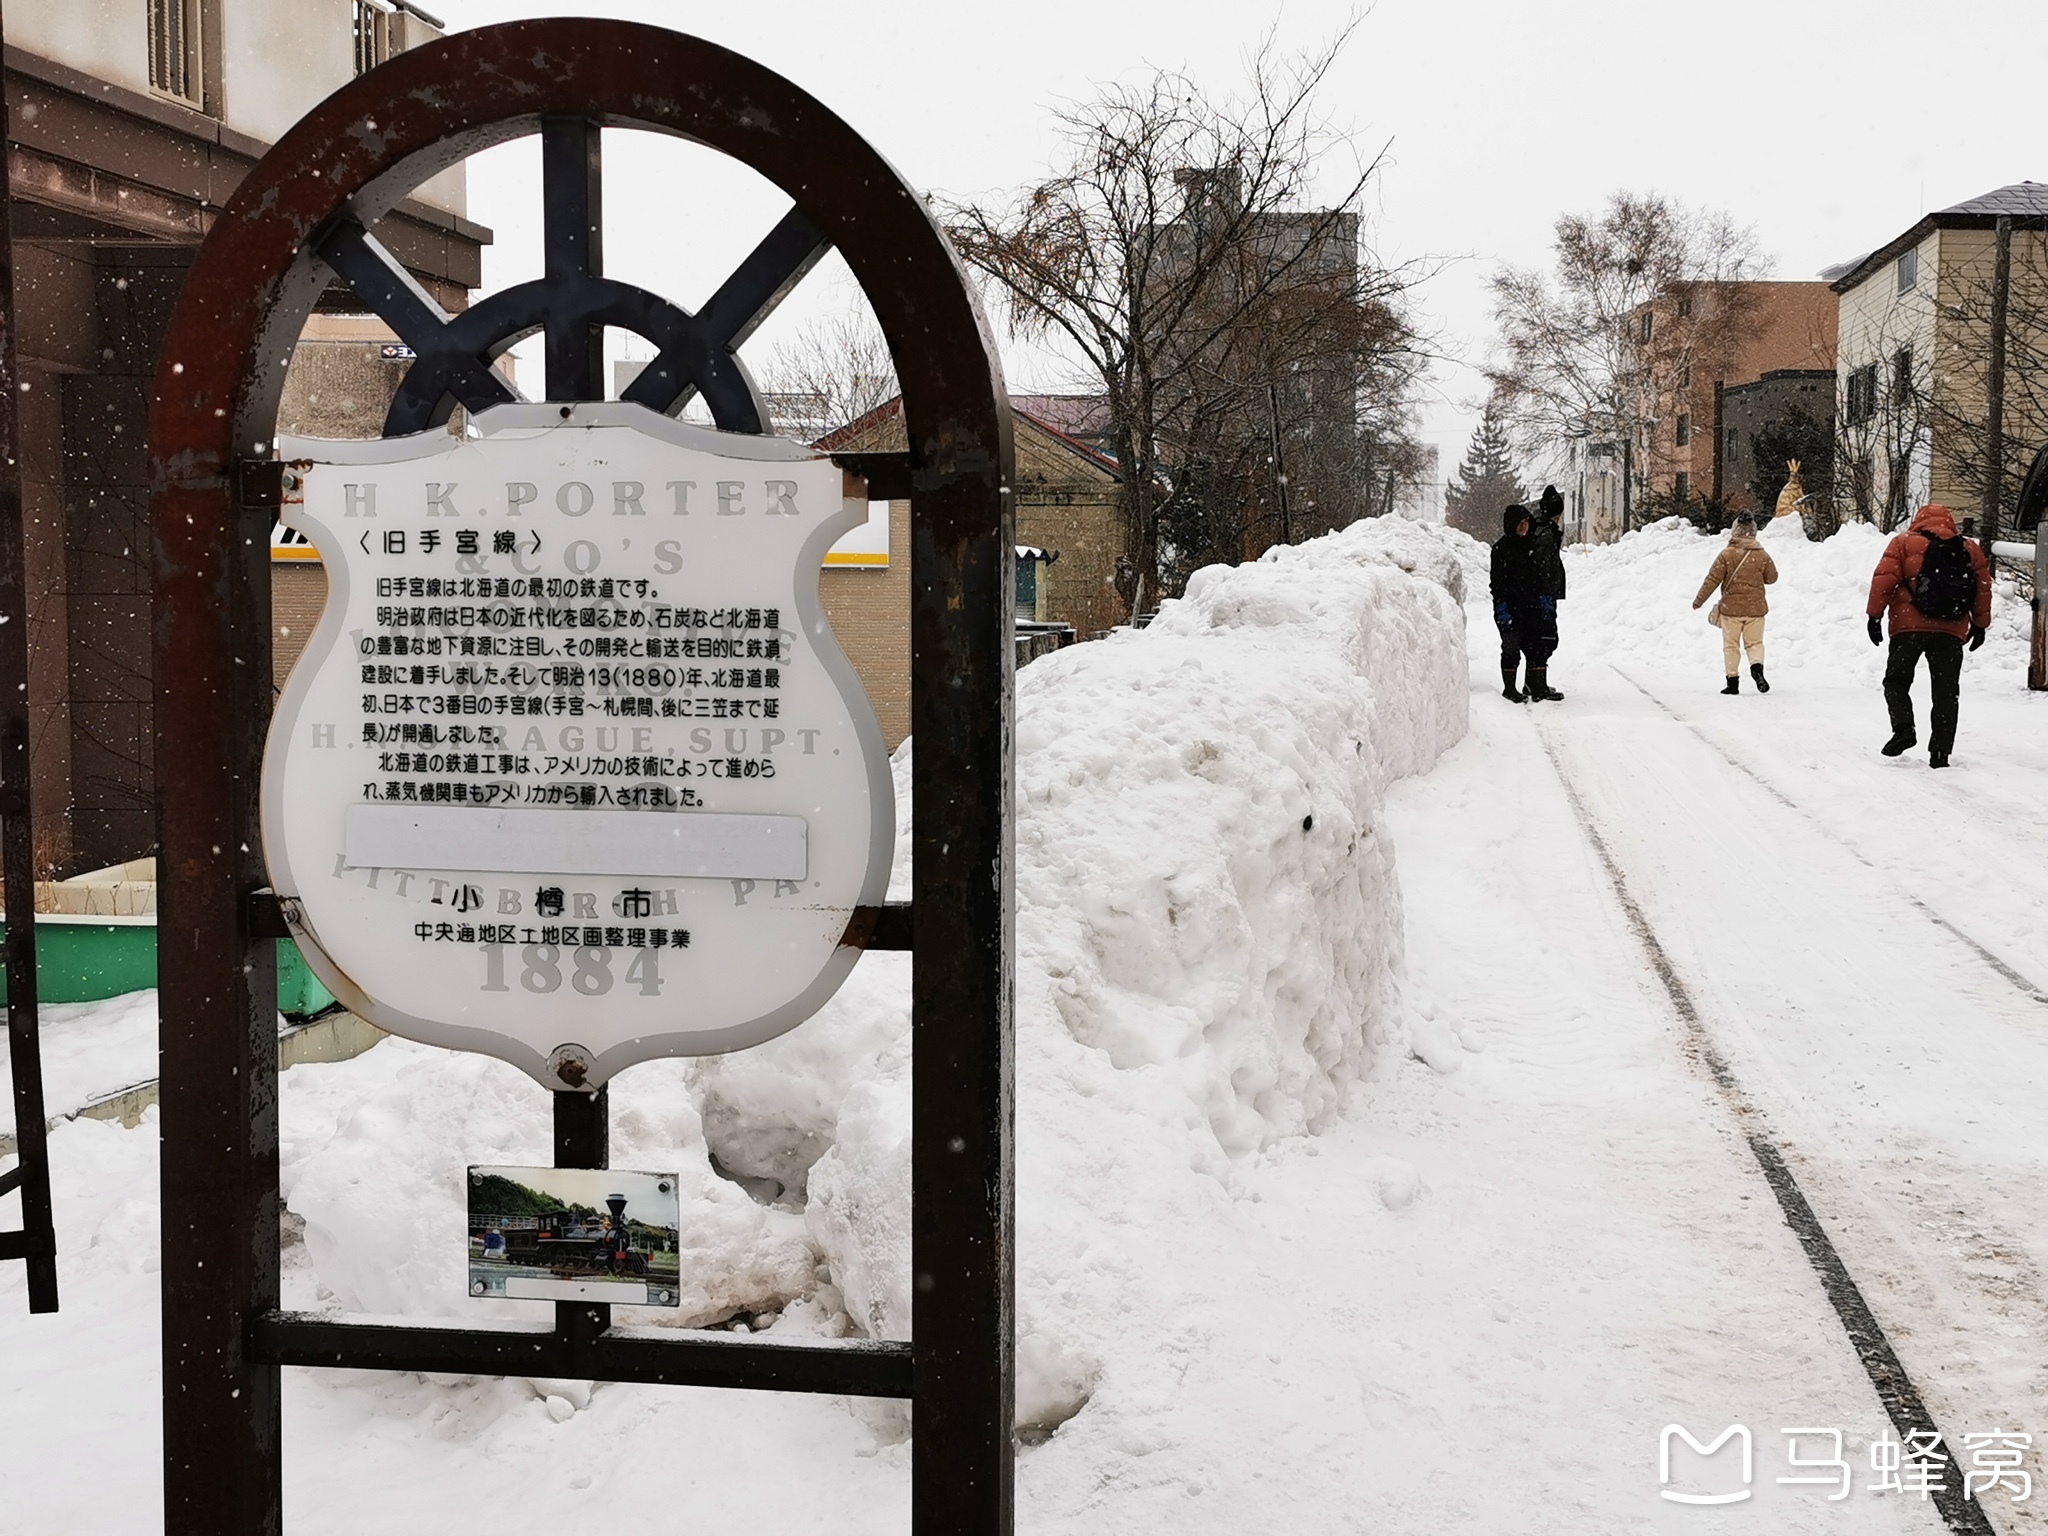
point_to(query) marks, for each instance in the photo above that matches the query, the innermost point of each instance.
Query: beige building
(1066, 506)
(129, 125)
(1914, 363)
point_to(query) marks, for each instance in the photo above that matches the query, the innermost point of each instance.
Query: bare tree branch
(1229, 325)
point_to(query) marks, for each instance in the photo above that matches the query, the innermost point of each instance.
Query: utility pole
(1279, 463)
(1994, 392)
(1628, 475)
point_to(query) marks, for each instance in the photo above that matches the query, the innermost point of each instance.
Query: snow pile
(1631, 601)
(1209, 953)
(1208, 935)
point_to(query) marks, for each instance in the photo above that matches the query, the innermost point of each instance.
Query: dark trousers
(1944, 655)
(1529, 632)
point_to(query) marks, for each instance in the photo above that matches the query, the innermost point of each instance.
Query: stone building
(129, 124)
(1785, 407)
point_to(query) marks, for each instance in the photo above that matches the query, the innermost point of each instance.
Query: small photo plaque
(574, 1234)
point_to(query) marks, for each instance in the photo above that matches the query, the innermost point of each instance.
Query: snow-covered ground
(89, 1051)
(1367, 1180)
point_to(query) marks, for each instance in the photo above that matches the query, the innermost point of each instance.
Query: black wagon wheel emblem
(572, 303)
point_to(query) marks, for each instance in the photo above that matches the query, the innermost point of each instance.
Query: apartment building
(1915, 358)
(1697, 343)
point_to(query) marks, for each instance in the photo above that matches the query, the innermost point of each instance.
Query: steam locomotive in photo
(564, 1241)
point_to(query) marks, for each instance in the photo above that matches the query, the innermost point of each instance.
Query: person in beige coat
(1740, 573)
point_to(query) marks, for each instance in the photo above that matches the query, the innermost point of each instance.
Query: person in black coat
(1516, 589)
(1546, 554)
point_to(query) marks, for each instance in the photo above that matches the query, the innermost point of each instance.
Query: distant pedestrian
(1516, 611)
(1937, 586)
(1546, 552)
(1740, 573)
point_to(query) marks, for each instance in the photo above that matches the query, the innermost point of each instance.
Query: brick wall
(1082, 526)
(868, 608)
(298, 591)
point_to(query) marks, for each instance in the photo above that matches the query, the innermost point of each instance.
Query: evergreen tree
(1487, 482)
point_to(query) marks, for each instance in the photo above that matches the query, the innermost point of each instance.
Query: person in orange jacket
(1936, 586)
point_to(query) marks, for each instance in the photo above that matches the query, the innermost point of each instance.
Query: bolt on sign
(573, 772)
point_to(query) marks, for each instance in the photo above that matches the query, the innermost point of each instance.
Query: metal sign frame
(35, 1241)
(302, 216)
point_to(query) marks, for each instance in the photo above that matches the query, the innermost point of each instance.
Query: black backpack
(1946, 587)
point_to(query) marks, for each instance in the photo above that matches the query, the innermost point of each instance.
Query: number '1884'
(586, 969)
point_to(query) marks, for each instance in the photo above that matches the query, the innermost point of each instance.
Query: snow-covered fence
(2035, 556)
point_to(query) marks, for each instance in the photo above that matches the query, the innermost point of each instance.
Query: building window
(1681, 486)
(1902, 374)
(1685, 306)
(1647, 325)
(174, 50)
(1909, 270)
(1681, 432)
(1859, 401)
(1734, 439)
(372, 34)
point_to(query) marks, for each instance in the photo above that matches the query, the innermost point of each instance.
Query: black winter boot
(1937, 758)
(1508, 690)
(1899, 742)
(1539, 684)
(1734, 685)
(1756, 670)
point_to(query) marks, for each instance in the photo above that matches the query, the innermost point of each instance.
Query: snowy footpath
(1373, 1177)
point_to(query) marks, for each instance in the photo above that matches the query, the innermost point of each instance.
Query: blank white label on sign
(692, 845)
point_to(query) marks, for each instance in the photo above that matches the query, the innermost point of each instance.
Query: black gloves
(1876, 628)
(1976, 636)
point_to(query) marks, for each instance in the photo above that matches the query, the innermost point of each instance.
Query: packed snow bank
(1209, 951)
(1208, 939)
(1630, 602)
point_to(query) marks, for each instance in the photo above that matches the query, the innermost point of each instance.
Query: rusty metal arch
(213, 487)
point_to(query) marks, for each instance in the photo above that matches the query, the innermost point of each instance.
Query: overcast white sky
(1829, 125)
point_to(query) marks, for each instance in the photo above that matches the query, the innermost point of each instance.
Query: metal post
(36, 1243)
(217, 995)
(573, 231)
(583, 1139)
(1994, 392)
(1279, 464)
(2037, 656)
(1628, 475)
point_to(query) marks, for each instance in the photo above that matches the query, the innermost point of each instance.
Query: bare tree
(1171, 250)
(1956, 399)
(1883, 419)
(1639, 298)
(833, 371)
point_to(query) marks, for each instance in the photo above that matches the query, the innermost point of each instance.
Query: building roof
(2024, 202)
(883, 420)
(1082, 416)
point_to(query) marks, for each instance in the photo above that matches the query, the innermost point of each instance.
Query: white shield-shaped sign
(572, 771)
